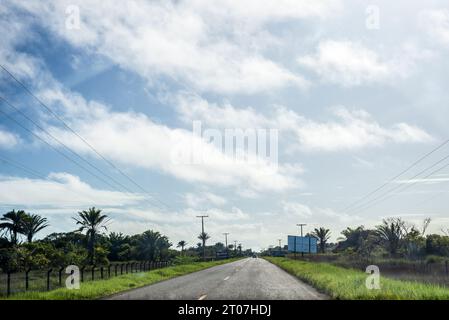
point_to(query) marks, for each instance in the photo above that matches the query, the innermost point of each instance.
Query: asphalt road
(247, 279)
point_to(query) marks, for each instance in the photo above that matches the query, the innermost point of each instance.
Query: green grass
(101, 288)
(349, 284)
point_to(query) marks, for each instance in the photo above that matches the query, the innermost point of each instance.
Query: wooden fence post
(82, 273)
(8, 283)
(60, 275)
(93, 272)
(27, 279)
(48, 279)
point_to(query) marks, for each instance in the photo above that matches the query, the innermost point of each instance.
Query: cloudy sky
(356, 92)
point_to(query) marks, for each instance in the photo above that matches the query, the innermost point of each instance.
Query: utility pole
(235, 246)
(226, 242)
(202, 233)
(301, 225)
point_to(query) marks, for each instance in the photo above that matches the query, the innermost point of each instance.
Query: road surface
(247, 279)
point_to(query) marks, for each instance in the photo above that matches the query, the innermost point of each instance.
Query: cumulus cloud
(211, 47)
(134, 139)
(59, 190)
(8, 140)
(346, 63)
(350, 64)
(200, 199)
(318, 216)
(351, 128)
(297, 209)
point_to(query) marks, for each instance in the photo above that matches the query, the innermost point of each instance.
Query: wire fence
(53, 278)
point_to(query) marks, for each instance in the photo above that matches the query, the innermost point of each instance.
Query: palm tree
(182, 244)
(391, 231)
(91, 221)
(14, 223)
(204, 237)
(147, 244)
(323, 235)
(119, 247)
(33, 224)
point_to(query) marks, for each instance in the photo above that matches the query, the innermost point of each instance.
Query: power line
(79, 136)
(396, 176)
(34, 173)
(387, 194)
(60, 152)
(63, 144)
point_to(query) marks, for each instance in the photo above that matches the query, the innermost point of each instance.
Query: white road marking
(226, 278)
(202, 297)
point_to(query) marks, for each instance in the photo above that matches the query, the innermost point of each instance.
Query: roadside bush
(184, 260)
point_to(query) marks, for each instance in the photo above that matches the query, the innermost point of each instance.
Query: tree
(323, 236)
(204, 237)
(182, 244)
(437, 244)
(32, 224)
(392, 231)
(425, 225)
(91, 221)
(13, 224)
(151, 245)
(119, 247)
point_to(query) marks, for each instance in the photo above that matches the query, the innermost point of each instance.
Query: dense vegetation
(394, 238)
(343, 283)
(90, 243)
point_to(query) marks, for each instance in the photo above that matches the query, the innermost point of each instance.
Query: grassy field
(349, 284)
(102, 288)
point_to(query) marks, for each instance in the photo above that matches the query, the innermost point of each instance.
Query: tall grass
(101, 288)
(349, 284)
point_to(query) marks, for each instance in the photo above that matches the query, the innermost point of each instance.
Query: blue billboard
(302, 244)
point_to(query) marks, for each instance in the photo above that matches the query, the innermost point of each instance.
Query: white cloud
(134, 139)
(59, 190)
(8, 140)
(352, 129)
(211, 47)
(317, 217)
(349, 64)
(436, 23)
(434, 179)
(192, 108)
(346, 63)
(296, 209)
(196, 200)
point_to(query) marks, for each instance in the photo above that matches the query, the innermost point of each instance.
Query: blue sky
(357, 92)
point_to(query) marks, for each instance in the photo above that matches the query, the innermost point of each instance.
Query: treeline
(393, 238)
(90, 244)
(396, 238)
